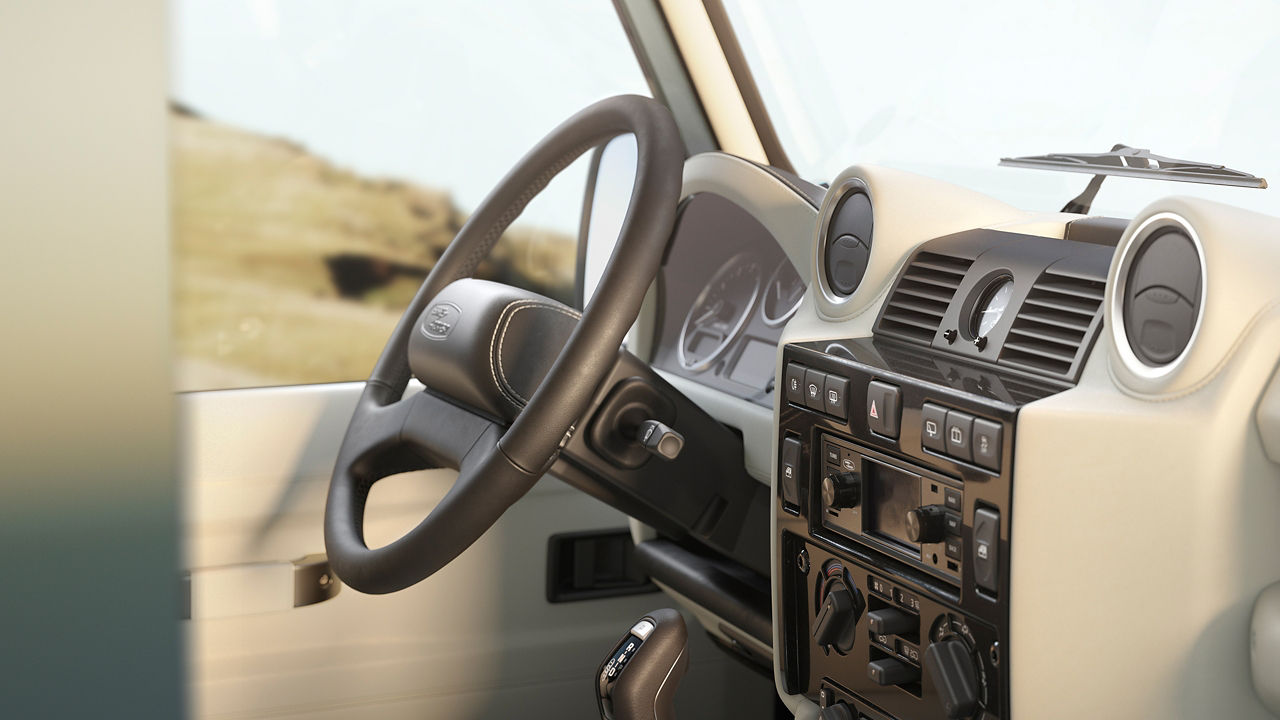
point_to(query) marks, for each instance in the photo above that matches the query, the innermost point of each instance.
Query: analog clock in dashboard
(991, 306)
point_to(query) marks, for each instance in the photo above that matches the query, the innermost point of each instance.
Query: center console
(895, 480)
(894, 513)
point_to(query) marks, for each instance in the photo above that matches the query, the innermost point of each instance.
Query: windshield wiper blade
(1126, 161)
(1131, 162)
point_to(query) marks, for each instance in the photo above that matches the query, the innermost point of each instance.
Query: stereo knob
(954, 677)
(841, 490)
(927, 524)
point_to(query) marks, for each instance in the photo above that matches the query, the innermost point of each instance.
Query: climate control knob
(954, 677)
(927, 524)
(838, 616)
(841, 490)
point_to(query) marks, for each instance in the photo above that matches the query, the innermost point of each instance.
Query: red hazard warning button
(883, 406)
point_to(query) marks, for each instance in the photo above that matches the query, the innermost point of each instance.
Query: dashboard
(1006, 448)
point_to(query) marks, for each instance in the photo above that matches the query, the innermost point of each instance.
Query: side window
(325, 152)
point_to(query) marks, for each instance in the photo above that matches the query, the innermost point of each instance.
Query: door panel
(477, 640)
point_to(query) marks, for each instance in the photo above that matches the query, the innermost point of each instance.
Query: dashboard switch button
(815, 384)
(892, 672)
(953, 499)
(836, 396)
(959, 430)
(883, 404)
(986, 549)
(955, 548)
(892, 621)
(933, 423)
(986, 444)
(794, 380)
(789, 471)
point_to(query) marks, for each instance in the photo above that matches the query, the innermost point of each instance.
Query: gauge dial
(719, 312)
(782, 295)
(991, 307)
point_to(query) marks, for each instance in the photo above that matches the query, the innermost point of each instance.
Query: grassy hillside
(265, 233)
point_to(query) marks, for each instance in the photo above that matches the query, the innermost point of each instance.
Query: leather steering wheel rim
(389, 433)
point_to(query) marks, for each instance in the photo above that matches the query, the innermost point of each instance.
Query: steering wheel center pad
(489, 345)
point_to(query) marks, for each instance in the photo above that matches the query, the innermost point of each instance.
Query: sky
(946, 89)
(451, 94)
(444, 94)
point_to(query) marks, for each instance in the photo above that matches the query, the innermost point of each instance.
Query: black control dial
(838, 616)
(955, 669)
(927, 524)
(955, 677)
(841, 490)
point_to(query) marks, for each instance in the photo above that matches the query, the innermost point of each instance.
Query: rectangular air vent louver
(1053, 323)
(922, 295)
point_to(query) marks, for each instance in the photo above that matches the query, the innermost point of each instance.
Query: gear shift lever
(639, 678)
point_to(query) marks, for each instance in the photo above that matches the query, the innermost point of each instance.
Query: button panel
(826, 393)
(961, 436)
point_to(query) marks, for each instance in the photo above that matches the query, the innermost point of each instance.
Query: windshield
(946, 90)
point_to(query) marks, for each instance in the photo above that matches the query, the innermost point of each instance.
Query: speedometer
(719, 312)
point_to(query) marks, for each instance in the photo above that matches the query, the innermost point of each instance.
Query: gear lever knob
(639, 678)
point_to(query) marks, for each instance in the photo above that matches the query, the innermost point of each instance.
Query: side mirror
(610, 179)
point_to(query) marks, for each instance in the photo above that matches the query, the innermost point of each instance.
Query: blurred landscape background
(289, 269)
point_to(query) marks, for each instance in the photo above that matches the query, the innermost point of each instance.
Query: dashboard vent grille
(922, 295)
(1053, 323)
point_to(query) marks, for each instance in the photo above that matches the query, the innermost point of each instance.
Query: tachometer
(719, 312)
(782, 295)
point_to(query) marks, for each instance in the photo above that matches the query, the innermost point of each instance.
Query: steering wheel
(497, 463)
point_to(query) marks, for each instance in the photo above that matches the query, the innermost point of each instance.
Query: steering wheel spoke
(442, 432)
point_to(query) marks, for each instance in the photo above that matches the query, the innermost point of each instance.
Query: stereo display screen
(891, 494)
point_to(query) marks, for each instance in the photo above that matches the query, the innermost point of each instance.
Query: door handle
(252, 588)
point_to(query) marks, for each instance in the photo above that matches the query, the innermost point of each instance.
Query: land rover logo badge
(439, 320)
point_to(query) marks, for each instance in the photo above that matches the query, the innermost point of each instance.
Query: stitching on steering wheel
(495, 346)
(508, 216)
(495, 354)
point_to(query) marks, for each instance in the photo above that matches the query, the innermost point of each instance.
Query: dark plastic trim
(732, 592)
(566, 567)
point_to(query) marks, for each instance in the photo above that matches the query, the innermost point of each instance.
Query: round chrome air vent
(844, 247)
(1158, 303)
